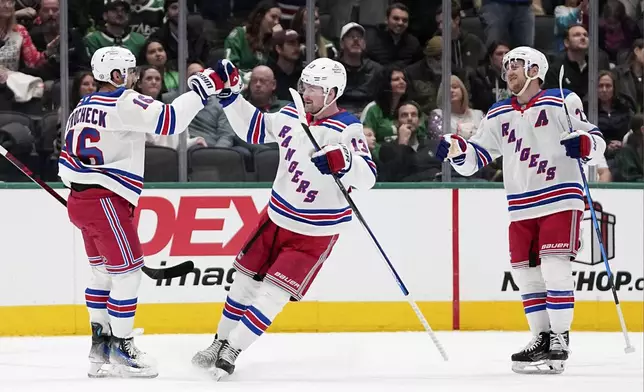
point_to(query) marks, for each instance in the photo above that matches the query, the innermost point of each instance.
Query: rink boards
(448, 245)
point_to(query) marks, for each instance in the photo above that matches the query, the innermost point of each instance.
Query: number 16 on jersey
(78, 144)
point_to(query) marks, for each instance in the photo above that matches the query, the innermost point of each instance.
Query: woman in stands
(614, 112)
(464, 120)
(393, 88)
(18, 51)
(153, 53)
(249, 45)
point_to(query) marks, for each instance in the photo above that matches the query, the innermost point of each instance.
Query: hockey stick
(299, 105)
(154, 273)
(629, 348)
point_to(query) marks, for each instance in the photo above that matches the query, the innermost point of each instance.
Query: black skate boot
(99, 352)
(128, 361)
(225, 364)
(559, 351)
(206, 359)
(533, 357)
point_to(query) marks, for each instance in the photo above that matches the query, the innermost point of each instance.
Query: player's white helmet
(530, 58)
(110, 58)
(325, 73)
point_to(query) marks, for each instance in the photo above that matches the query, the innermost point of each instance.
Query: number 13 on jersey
(78, 144)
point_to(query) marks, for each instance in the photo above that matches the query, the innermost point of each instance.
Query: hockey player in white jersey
(102, 162)
(306, 211)
(545, 196)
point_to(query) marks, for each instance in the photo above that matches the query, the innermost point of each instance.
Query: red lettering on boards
(176, 227)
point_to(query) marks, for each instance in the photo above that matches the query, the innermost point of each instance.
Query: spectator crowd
(392, 52)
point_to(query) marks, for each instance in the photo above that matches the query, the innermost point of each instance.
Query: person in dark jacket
(614, 112)
(360, 70)
(486, 80)
(198, 47)
(508, 20)
(575, 62)
(629, 162)
(467, 49)
(391, 43)
(631, 75)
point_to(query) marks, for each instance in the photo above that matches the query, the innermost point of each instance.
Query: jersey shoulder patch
(500, 107)
(554, 92)
(289, 110)
(103, 99)
(339, 121)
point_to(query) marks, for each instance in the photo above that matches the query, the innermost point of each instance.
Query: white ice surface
(356, 362)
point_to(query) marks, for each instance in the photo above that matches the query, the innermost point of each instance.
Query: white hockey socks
(96, 295)
(560, 300)
(121, 304)
(533, 293)
(259, 316)
(242, 293)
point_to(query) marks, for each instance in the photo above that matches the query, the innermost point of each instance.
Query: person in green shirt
(380, 115)
(116, 31)
(154, 53)
(248, 46)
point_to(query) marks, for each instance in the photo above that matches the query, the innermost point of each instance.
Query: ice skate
(99, 352)
(559, 351)
(225, 364)
(206, 358)
(128, 361)
(533, 358)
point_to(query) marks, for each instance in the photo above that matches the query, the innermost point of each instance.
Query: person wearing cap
(287, 66)
(116, 32)
(360, 69)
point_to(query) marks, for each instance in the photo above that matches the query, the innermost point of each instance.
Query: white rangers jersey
(539, 178)
(302, 199)
(105, 137)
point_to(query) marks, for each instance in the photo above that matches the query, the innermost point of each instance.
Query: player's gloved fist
(332, 159)
(206, 83)
(229, 74)
(578, 144)
(453, 147)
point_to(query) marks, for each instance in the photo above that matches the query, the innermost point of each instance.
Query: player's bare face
(515, 75)
(313, 97)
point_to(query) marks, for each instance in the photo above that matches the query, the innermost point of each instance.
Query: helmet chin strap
(325, 106)
(526, 84)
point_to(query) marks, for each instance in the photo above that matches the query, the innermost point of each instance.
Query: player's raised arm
(248, 122)
(586, 141)
(469, 156)
(142, 113)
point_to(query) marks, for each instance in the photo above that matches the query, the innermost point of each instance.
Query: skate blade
(124, 371)
(541, 367)
(219, 374)
(98, 370)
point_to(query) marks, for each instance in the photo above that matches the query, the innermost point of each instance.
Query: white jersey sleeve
(482, 148)
(248, 122)
(141, 113)
(580, 122)
(362, 173)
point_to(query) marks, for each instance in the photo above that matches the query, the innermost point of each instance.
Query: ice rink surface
(356, 362)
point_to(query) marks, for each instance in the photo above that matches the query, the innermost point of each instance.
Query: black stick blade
(170, 272)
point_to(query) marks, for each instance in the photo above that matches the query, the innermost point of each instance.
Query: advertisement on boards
(210, 226)
(619, 216)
